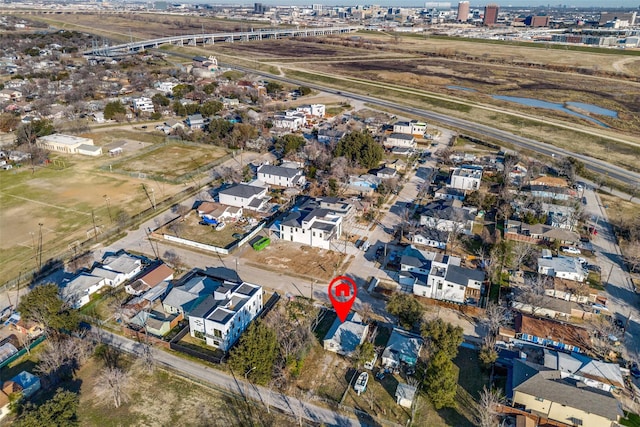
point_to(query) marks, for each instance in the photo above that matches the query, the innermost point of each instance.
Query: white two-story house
(400, 140)
(281, 176)
(245, 196)
(466, 178)
(438, 276)
(222, 316)
(314, 227)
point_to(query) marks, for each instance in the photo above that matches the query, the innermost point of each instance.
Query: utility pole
(107, 200)
(40, 247)
(95, 229)
(610, 271)
(151, 243)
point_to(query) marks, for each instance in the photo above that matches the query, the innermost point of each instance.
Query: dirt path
(619, 65)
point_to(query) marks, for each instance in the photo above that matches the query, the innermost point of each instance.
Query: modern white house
(69, 144)
(404, 140)
(438, 276)
(315, 227)
(315, 110)
(165, 87)
(413, 127)
(252, 197)
(290, 120)
(563, 267)
(143, 105)
(281, 176)
(466, 178)
(222, 316)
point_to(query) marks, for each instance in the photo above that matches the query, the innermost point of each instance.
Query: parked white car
(570, 250)
(220, 226)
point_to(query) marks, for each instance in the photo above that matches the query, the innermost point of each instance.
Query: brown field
(170, 161)
(142, 26)
(297, 259)
(66, 202)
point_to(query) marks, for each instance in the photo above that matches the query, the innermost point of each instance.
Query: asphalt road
(236, 385)
(592, 164)
(622, 300)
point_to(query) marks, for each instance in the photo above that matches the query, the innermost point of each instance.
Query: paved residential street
(623, 301)
(220, 380)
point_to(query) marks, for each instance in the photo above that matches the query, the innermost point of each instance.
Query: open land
(75, 193)
(295, 259)
(142, 26)
(369, 63)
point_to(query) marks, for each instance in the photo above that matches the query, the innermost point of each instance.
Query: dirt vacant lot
(288, 257)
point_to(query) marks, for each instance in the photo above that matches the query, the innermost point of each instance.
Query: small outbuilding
(405, 394)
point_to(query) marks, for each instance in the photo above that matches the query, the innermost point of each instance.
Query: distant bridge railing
(229, 37)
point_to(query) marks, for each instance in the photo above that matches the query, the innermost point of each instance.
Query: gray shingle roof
(461, 275)
(278, 171)
(549, 386)
(242, 190)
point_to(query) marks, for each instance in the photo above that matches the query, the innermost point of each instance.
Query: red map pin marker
(342, 293)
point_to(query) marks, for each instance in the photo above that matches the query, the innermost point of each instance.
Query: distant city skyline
(617, 4)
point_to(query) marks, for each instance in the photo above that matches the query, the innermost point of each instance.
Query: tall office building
(463, 11)
(490, 14)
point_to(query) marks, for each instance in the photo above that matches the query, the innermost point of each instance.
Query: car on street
(635, 370)
(570, 250)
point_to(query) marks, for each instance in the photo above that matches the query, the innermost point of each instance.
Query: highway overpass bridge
(211, 39)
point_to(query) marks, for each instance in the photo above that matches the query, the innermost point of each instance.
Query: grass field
(68, 202)
(170, 161)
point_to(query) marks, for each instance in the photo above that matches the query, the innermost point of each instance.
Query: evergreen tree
(444, 336)
(360, 147)
(44, 305)
(114, 108)
(59, 411)
(441, 381)
(255, 355)
(406, 308)
(289, 143)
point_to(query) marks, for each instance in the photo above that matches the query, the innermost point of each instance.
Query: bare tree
(605, 335)
(495, 317)
(521, 253)
(487, 407)
(147, 359)
(113, 383)
(366, 311)
(533, 292)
